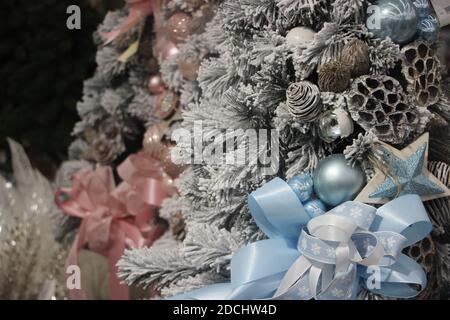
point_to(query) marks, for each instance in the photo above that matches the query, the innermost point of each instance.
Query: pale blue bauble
(336, 182)
(396, 19)
(302, 185)
(315, 208)
(428, 28)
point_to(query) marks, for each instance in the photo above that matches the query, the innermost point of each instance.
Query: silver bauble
(336, 182)
(334, 124)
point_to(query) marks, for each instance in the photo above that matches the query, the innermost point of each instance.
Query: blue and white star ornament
(408, 174)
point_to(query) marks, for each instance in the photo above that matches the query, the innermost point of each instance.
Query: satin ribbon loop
(277, 210)
(143, 185)
(359, 246)
(114, 218)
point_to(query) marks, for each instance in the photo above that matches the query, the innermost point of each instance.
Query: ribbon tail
(68, 207)
(404, 279)
(260, 289)
(258, 268)
(292, 276)
(72, 260)
(119, 290)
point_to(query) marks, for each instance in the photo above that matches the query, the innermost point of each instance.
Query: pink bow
(114, 218)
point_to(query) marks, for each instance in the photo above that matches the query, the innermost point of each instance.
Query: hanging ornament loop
(377, 161)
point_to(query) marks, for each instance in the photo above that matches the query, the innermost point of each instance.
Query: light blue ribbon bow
(326, 257)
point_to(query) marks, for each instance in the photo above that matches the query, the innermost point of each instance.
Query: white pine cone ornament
(356, 56)
(378, 103)
(422, 69)
(303, 101)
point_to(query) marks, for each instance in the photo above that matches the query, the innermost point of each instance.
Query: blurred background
(42, 69)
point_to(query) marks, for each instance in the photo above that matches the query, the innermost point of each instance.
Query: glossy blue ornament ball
(428, 28)
(302, 185)
(315, 208)
(336, 182)
(396, 19)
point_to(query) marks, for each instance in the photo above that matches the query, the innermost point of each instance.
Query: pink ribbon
(139, 10)
(114, 218)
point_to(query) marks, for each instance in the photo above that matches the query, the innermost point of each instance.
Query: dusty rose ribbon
(139, 10)
(114, 218)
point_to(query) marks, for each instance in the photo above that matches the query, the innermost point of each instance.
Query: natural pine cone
(334, 76)
(356, 56)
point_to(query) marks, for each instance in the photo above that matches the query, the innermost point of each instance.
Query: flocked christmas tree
(185, 25)
(129, 104)
(116, 106)
(312, 70)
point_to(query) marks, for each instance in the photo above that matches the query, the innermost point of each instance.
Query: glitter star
(409, 176)
(405, 173)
